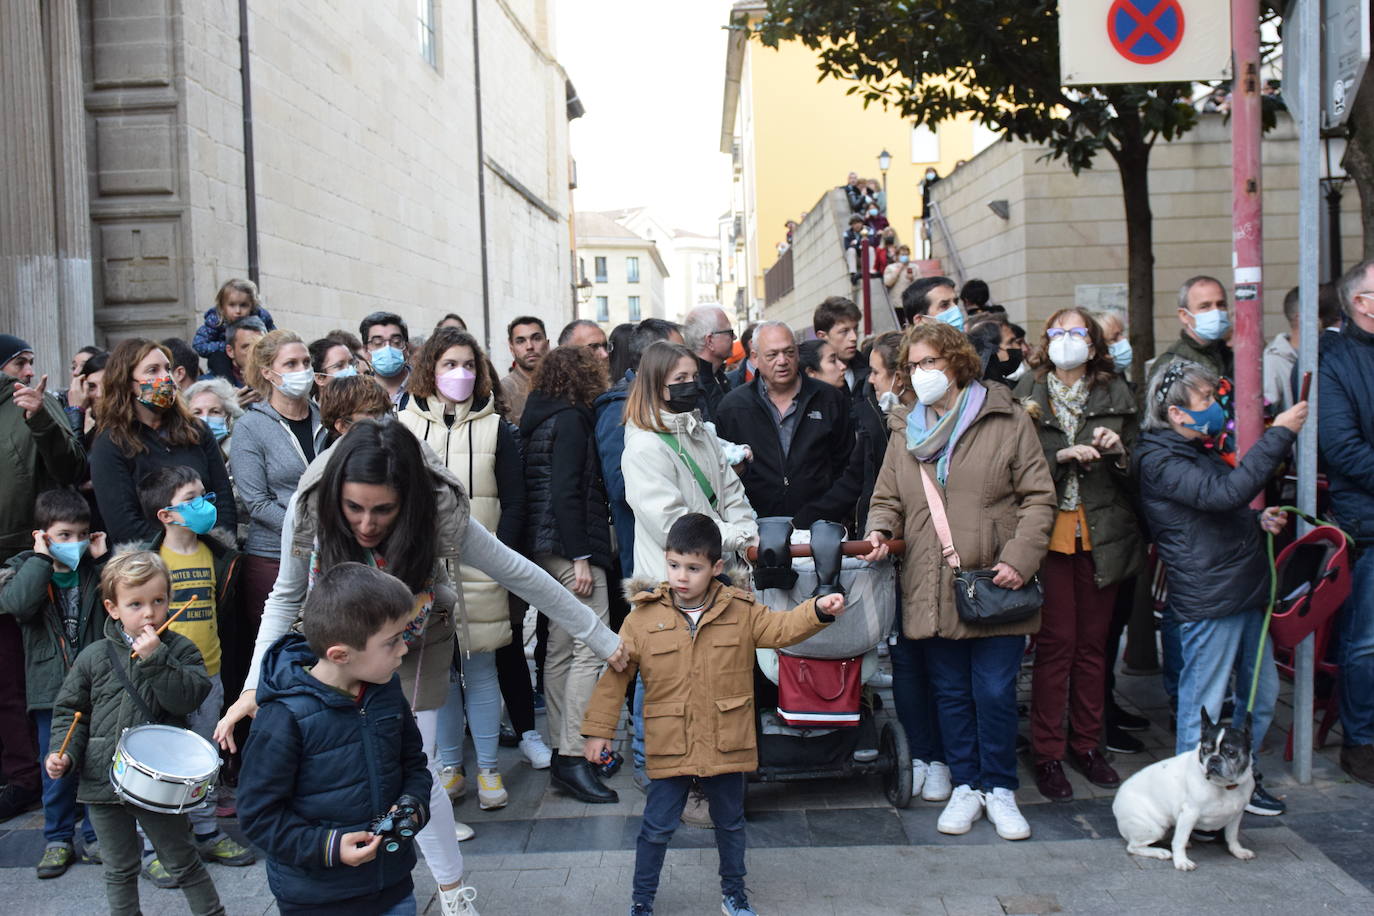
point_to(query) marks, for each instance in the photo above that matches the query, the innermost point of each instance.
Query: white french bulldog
(1204, 789)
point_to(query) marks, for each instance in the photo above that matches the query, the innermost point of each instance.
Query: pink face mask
(456, 385)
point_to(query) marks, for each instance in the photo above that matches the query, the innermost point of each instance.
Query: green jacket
(172, 681)
(37, 454)
(1104, 486)
(1216, 356)
(27, 594)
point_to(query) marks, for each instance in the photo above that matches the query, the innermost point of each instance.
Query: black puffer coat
(567, 513)
(1197, 508)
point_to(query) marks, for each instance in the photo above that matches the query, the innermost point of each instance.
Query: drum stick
(70, 729)
(168, 622)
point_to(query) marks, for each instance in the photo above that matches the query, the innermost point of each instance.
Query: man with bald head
(709, 335)
(580, 332)
(798, 428)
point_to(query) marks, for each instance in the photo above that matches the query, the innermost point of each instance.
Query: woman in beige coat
(982, 451)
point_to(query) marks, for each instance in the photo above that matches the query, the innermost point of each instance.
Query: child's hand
(358, 847)
(146, 643)
(40, 543)
(831, 604)
(57, 766)
(99, 546)
(593, 748)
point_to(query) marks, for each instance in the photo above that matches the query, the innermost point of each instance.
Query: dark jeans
(122, 852)
(513, 672)
(60, 809)
(663, 806)
(975, 693)
(18, 753)
(914, 699)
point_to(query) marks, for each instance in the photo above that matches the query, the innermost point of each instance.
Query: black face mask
(682, 397)
(1009, 364)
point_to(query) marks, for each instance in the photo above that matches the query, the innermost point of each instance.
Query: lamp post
(1333, 178)
(884, 163)
(584, 293)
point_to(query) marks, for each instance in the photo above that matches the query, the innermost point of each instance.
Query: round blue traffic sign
(1145, 31)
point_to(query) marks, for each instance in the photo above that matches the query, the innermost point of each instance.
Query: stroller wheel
(897, 781)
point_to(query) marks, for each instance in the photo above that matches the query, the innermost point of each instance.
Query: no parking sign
(1143, 41)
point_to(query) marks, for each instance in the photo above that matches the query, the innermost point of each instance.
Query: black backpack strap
(118, 664)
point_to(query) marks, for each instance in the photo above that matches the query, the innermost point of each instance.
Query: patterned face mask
(159, 394)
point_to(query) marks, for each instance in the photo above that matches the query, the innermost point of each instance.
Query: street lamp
(884, 163)
(1333, 178)
(584, 291)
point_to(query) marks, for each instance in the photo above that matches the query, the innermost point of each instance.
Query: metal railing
(778, 279)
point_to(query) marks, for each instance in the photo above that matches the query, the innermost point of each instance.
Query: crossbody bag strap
(936, 502)
(118, 663)
(692, 466)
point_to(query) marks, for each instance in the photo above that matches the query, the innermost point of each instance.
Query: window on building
(634, 308)
(925, 144)
(600, 265)
(429, 37)
(632, 270)
(603, 307)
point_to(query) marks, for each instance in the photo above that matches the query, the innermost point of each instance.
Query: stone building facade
(626, 270)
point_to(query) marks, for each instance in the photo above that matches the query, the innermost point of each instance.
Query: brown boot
(1358, 762)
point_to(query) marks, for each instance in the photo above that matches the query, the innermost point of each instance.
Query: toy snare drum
(162, 768)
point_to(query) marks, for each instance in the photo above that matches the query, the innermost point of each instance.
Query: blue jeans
(60, 809)
(1357, 654)
(637, 723)
(1212, 649)
(405, 907)
(975, 695)
(478, 690)
(663, 806)
(1171, 641)
(914, 699)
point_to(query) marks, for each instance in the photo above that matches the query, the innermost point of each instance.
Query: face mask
(296, 384)
(888, 400)
(345, 372)
(954, 317)
(1209, 422)
(1068, 351)
(872, 211)
(69, 555)
(682, 397)
(1122, 355)
(1212, 325)
(388, 361)
(219, 426)
(903, 258)
(199, 514)
(159, 394)
(1020, 371)
(456, 385)
(1011, 364)
(929, 384)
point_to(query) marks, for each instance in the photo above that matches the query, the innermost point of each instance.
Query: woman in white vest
(673, 464)
(453, 409)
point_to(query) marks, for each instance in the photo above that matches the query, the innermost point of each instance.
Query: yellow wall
(809, 136)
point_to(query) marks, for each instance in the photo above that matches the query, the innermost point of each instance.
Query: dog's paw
(1183, 863)
(1240, 852)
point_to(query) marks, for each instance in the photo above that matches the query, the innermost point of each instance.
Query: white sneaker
(919, 773)
(965, 806)
(491, 790)
(937, 787)
(880, 679)
(463, 831)
(535, 750)
(1005, 816)
(458, 901)
(451, 778)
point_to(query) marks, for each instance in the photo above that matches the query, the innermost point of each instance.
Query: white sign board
(1143, 41)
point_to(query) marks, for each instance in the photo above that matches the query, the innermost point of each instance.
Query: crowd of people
(318, 514)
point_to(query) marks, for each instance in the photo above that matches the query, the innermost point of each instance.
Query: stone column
(28, 252)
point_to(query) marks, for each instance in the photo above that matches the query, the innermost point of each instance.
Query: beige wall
(1065, 231)
(617, 289)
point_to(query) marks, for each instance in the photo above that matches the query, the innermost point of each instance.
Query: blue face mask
(1122, 355)
(69, 554)
(349, 371)
(387, 361)
(1209, 422)
(1212, 325)
(904, 258)
(198, 514)
(219, 426)
(954, 317)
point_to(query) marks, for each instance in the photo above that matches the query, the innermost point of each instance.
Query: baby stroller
(787, 574)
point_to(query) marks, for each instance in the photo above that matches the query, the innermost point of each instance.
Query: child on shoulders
(236, 299)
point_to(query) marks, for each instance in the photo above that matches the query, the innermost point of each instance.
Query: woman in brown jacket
(983, 452)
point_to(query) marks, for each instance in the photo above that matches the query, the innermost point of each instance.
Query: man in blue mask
(388, 347)
(933, 299)
(1205, 339)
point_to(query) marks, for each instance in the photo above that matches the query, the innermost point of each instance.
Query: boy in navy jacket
(333, 746)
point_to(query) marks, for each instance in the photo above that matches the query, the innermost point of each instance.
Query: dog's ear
(1207, 723)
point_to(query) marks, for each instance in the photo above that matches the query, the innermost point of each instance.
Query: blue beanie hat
(11, 346)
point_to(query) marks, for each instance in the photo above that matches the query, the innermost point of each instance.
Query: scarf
(936, 442)
(1068, 403)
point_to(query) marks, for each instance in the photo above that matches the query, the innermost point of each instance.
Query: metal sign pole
(1247, 225)
(1309, 180)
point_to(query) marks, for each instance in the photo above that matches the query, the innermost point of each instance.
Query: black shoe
(1206, 836)
(575, 776)
(1120, 742)
(1358, 762)
(1264, 804)
(1126, 721)
(1228, 711)
(15, 801)
(508, 737)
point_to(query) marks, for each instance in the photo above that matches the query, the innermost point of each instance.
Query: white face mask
(1068, 351)
(1020, 371)
(929, 384)
(888, 400)
(296, 384)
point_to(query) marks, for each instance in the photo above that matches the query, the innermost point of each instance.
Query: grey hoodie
(268, 462)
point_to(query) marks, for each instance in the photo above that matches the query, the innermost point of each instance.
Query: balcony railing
(777, 281)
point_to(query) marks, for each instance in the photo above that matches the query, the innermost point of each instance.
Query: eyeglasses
(927, 364)
(601, 347)
(193, 504)
(730, 332)
(1056, 333)
(395, 340)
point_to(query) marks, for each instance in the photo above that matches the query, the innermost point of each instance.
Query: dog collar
(1232, 786)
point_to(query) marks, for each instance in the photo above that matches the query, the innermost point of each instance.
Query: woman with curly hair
(568, 532)
(142, 426)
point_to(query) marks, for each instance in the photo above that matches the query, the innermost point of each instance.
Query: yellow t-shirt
(194, 574)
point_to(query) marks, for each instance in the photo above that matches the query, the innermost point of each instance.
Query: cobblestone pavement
(832, 847)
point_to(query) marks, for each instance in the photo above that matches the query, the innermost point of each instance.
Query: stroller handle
(847, 548)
